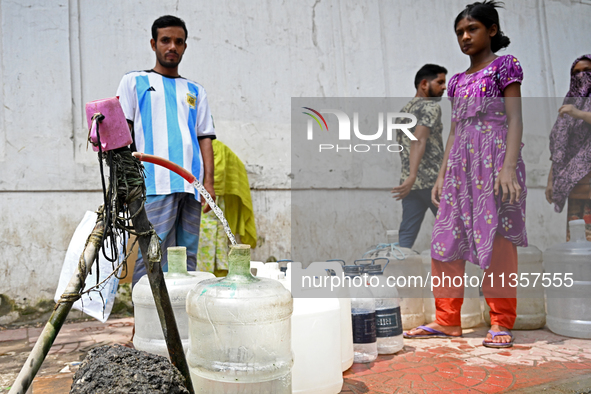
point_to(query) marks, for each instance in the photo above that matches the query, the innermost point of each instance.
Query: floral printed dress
(470, 214)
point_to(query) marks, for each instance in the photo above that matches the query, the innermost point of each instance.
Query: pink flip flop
(433, 334)
(498, 344)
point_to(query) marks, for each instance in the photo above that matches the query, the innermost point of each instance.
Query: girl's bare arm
(507, 179)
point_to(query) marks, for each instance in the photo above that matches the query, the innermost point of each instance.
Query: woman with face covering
(570, 146)
(480, 190)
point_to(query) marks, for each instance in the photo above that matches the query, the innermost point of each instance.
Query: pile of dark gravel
(121, 370)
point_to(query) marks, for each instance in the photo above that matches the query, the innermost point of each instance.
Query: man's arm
(206, 147)
(417, 150)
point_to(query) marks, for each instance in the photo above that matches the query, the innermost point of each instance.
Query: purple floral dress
(469, 214)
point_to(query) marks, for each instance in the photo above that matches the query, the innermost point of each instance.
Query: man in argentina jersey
(169, 116)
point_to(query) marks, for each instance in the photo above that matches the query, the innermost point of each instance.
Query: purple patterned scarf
(570, 140)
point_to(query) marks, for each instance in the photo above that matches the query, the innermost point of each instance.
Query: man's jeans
(414, 207)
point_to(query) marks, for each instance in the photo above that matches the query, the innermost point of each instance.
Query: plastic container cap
(353, 270)
(392, 236)
(577, 230)
(373, 269)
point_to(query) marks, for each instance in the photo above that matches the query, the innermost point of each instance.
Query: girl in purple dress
(480, 190)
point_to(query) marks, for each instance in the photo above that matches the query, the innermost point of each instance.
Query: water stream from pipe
(197, 185)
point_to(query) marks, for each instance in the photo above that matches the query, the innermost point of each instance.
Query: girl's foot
(499, 340)
(434, 330)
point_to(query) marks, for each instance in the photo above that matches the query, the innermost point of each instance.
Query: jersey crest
(191, 100)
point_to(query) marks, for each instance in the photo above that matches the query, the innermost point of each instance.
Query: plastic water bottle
(406, 263)
(388, 325)
(363, 313)
(388, 312)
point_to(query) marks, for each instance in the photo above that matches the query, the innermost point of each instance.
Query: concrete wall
(252, 57)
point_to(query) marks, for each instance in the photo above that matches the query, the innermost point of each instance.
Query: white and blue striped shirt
(169, 115)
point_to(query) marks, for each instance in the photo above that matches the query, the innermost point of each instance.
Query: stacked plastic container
(347, 352)
(316, 338)
(568, 285)
(148, 331)
(315, 332)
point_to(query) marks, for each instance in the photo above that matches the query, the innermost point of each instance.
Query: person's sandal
(433, 333)
(498, 344)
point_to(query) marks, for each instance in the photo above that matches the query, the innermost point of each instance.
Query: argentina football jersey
(169, 116)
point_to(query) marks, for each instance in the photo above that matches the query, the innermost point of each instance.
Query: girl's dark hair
(485, 12)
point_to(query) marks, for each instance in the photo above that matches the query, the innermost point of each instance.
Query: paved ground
(540, 362)
(70, 347)
(463, 365)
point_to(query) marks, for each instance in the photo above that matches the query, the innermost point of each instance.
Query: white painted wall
(252, 57)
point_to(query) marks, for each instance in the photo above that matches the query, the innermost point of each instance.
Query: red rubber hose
(166, 164)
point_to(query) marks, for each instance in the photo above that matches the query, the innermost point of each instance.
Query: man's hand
(417, 150)
(400, 192)
(209, 187)
(437, 191)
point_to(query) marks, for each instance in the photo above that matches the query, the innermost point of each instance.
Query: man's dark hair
(428, 72)
(167, 21)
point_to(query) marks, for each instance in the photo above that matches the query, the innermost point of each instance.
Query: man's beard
(166, 64)
(432, 95)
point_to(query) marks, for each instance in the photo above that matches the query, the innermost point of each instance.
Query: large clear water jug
(240, 332)
(531, 308)
(405, 264)
(148, 331)
(567, 267)
(315, 336)
(471, 313)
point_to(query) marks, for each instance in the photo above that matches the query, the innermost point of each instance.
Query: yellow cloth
(212, 254)
(231, 182)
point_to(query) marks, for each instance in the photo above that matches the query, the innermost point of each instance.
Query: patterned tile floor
(463, 365)
(424, 366)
